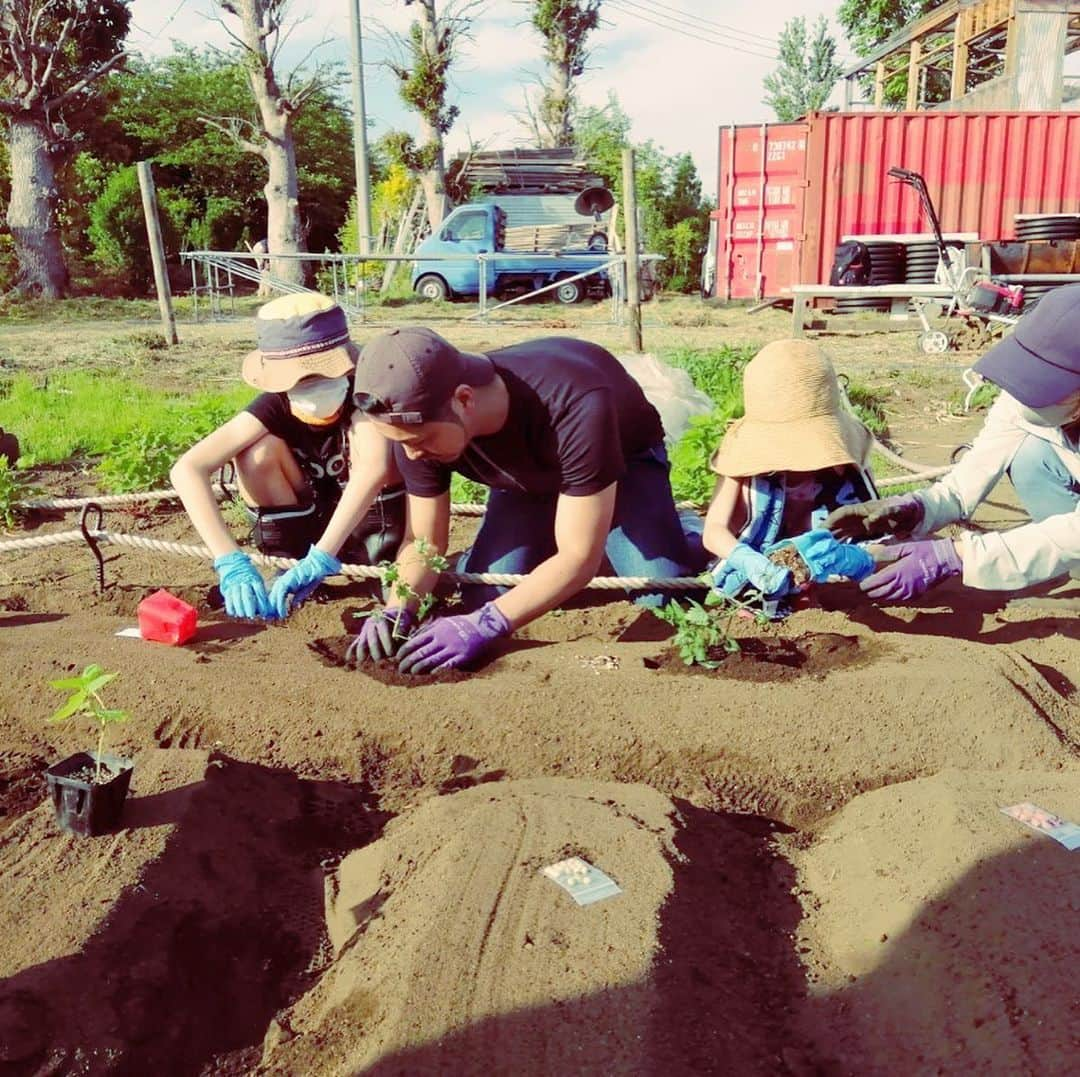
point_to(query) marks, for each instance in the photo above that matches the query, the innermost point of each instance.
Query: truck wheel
(569, 291)
(432, 287)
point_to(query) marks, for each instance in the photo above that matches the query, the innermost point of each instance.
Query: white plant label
(1046, 822)
(584, 883)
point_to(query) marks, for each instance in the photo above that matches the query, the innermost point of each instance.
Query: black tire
(569, 292)
(433, 287)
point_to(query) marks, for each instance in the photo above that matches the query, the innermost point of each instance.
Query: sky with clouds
(679, 68)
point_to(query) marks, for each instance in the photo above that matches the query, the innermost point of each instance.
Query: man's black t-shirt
(321, 451)
(576, 416)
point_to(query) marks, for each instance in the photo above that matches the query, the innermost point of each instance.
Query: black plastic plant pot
(83, 806)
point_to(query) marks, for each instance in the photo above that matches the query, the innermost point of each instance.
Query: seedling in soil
(390, 576)
(85, 698)
(13, 491)
(701, 629)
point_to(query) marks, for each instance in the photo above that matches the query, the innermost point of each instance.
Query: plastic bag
(670, 391)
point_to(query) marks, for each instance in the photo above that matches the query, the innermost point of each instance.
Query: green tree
(422, 70)
(675, 216)
(564, 26)
(52, 57)
(807, 72)
(155, 111)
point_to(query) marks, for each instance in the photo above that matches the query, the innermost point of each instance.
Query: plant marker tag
(130, 633)
(584, 883)
(1045, 822)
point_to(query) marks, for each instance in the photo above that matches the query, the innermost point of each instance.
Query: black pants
(289, 530)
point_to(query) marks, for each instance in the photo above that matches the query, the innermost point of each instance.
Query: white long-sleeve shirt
(1005, 560)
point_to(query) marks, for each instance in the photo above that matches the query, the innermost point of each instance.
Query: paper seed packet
(1045, 822)
(584, 883)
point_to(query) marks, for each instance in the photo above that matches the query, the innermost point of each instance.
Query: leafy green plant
(702, 628)
(14, 489)
(85, 698)
(401, 589)
(869, 406)
(463, 490)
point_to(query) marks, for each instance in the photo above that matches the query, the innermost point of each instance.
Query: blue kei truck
(550, 239)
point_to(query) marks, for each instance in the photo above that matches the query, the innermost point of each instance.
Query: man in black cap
(573, 453)
(1030, 435)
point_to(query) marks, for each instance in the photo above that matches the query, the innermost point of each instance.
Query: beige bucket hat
(298, 336)
(795, 420)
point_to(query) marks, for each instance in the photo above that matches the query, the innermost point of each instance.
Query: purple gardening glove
(898, 515)
(383, 633)
(918, 567)
(449, 642)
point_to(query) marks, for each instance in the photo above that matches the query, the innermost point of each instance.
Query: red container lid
(166, 619)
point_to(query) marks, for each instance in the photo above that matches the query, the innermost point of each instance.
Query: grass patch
(137, 431)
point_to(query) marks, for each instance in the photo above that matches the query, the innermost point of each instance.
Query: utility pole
(360, 154)
(630, 223)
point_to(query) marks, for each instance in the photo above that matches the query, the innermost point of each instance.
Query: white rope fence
(603, 583)
(502, 579)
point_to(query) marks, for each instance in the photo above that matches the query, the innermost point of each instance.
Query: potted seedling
(88, 789)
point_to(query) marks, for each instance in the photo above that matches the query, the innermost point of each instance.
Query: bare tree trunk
(31, 213)
(260, 21)
(433, 178)
(283, 231)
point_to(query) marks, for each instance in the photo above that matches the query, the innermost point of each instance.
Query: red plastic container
(167, 619)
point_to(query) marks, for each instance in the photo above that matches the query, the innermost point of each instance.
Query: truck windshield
(467, 226)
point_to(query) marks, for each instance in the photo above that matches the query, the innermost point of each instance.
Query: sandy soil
(323, 873)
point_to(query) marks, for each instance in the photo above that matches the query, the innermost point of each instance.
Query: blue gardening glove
(744, 565)
(242, 587)
(826, 557)
(449, 642)
(898, 515)
(918, 567)
(298, 583)
(383, 633)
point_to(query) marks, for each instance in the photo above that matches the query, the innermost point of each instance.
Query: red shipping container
(166, 619)
(787, 193)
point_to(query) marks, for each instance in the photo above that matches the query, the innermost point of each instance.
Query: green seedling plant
(85, 698)
(14, 490)
(402, 590)
(701, 628)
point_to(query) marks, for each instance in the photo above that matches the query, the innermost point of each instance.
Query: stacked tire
(1043, 226)
(921, 262)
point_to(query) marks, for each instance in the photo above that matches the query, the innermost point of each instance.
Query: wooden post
(913, 72)
(157, 251)
(879, 84)
(633, 299)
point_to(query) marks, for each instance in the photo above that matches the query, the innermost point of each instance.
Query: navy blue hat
(1039, 364)
(299, 336)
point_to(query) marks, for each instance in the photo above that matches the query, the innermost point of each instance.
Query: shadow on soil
(982, 981)
(726, 984)
(223, 930)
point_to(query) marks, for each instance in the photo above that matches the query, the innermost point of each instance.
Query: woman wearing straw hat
(797, 454)
(309, 467)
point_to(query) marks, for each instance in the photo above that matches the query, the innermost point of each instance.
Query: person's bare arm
(371, 468)
(428, 522)
(719, 537)
(190, 476)
(581, 529)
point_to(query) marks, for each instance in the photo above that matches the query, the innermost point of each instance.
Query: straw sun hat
(795, 418)
(298, 335)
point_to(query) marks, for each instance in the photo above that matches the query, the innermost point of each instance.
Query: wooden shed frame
(974, 42)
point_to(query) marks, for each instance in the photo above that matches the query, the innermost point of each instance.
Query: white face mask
(1054, 414)
(319, 398)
